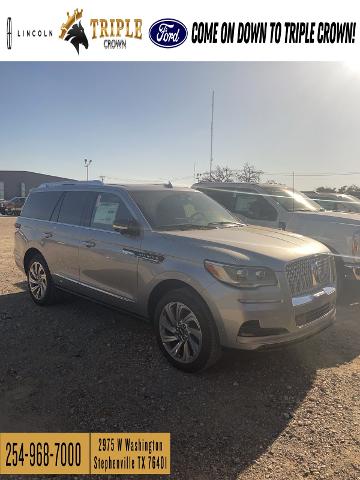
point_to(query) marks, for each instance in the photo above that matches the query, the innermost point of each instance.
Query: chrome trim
(144, 255)
(120, 297)
(304, 299)
(254, 302)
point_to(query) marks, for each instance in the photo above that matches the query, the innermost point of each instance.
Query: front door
(108, 260)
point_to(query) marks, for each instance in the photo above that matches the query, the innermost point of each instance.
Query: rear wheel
(40, 283)
(186, 331)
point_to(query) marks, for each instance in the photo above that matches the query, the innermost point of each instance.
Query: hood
(252, 244)
(348, 218)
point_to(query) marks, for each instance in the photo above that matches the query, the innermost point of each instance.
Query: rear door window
(40, 205)
(73, 207)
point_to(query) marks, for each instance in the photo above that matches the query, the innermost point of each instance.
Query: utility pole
(211, 134)
(87, 164)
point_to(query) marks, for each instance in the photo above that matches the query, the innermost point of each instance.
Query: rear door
(67, 235)
(108, 258)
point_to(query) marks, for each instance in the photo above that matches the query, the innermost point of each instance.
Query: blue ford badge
(168, 33)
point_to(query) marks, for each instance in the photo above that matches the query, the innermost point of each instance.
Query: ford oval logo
(168, 33)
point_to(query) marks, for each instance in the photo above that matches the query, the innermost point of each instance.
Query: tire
(341, 281)
(40, 284)
(190, 345)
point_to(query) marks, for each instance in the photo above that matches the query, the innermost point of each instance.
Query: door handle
(47, 234)
(89, 243)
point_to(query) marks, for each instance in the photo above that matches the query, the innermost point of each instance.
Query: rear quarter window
(40, 205)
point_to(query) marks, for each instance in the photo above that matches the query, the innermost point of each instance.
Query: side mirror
(127, 227)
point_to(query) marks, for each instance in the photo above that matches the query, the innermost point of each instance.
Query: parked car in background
(337, 202)
(13, 206)
(179, 259)
(2, 207)
(278, 206)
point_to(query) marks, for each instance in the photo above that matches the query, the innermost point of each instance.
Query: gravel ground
(77, 366)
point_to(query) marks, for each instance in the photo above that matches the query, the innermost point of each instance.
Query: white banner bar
(167, 31)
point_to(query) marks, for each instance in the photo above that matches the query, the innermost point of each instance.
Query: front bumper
(280, 318)
(306, 331)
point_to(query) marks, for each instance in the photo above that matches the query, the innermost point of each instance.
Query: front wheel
(40, 283)
(186, 332)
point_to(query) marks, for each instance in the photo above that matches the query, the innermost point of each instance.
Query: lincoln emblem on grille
(315, 272)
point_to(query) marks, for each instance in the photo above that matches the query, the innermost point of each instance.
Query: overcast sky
(151, 121)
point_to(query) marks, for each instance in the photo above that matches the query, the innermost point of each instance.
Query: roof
(237, 184)
(74, 185)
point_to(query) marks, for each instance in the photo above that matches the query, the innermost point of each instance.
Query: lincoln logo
(315, 272)
(9, 33)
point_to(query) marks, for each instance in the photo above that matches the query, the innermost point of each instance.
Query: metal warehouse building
(19, 183)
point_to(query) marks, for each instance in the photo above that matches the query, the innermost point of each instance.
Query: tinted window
(227, 199)
(40, 205)
(109, 210)
(254, 206)
(73, 206)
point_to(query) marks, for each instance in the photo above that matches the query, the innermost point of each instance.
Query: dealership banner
(161, 31)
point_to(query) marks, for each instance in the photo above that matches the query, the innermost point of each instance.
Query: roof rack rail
(70, 182)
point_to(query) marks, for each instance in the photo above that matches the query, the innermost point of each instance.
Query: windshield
(174, 209)
(292, 201)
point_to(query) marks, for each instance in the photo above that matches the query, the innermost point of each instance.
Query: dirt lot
(77, 366)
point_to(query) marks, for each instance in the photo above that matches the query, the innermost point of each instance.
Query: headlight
(356, 244)
(242, 277)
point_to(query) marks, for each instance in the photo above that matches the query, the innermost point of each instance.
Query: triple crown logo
(74, 31)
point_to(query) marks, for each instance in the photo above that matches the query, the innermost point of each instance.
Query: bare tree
(351, 189)
(219, 174)
(249, 174)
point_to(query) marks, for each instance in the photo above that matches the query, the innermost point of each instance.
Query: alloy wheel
(180, 332)
(37, 280)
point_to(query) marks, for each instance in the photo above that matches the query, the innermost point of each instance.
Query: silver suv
(176, 257)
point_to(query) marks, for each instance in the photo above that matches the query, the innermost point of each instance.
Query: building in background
(18, 183)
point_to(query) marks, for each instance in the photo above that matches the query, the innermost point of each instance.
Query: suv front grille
(308, 274)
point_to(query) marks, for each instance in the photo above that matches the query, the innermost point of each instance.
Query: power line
(324, 174)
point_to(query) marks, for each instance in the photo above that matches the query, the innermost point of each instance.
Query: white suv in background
(278, 206)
